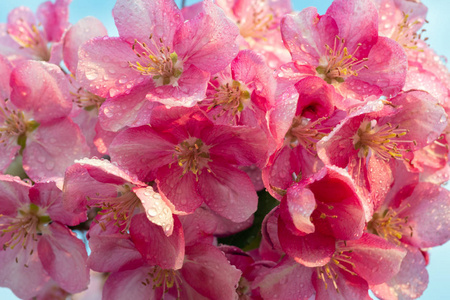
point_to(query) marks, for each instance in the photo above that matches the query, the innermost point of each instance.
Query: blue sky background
(437, 31)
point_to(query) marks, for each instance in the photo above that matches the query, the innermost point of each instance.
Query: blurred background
(439, 38)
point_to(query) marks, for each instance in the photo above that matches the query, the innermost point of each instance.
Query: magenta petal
(287, 280)
(180, 189)
(410, 282)
(428, 213)
(208, 41)
(155, 247)
(41, 89)
(64, 257)
(103, 67)
(316, 98)
(128, 285)
(84, 30)
(229, 192)
(156, 209)
(52, 149)
(387, 67)
(138, 19)
(375, 259)
(311, 250)
(208, 271)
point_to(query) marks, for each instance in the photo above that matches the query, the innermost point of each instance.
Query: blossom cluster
(161, 147)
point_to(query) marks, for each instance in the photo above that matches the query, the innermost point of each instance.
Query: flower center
(192, 155)
(158, 61)
(164, 278)
(339, 64)
(118, 209)
(379, 139)
(28, 36)
(339, 260)
(303, 132)
(232, 98)
(405, 34)
(15, 126)
(23, 228)
(87, 100)
(389, 225)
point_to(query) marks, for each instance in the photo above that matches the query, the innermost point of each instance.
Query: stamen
(379, 139)
(339, 260)
(164, 278)
(15, 126)
(303, 132)
(30, 37)
(389, 225)
(87, 100)
(340, 64)
(163, 64)
(192, 155)
(261, 20)
(405, 33)
(232, 98)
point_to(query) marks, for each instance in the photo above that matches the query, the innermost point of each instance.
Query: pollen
(163, 278)
(158, 61)
(232, 97)
(341, 260)
(390, 226)
(192, 155)
(382, 140)
(15, 126)
(304, 133)
(406, 35)
(339, 64)
(29, 36)
(119, 209)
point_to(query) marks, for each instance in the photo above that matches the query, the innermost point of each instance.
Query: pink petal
(157, 210)
(128, 285)
(84, 30)
(103, 67)
(64, 258)
(287, 280)
(350, 287)
(297, 208)
(48, 196)
(375, 259)
(130, 110)
(311, 250)
(387, 67)
(283, 112)
(428, 213)
(113, 252)
(229, 192)
(356, 28)
(5, 70)
(13, 194)
(208, 271)
(179, 189)
(54, 18)
(316, 98)
(42, 89)
(138, 19)
(155, 247)
(16, 276)
(207, 41)
(191, 89)
(305, 35)
(141, 150)
(409, 283)
(47, 154)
